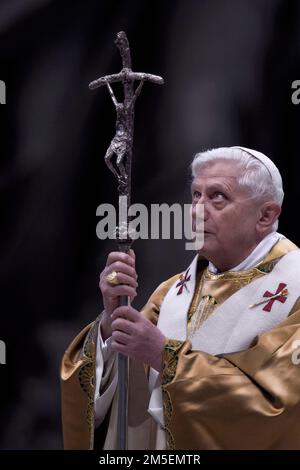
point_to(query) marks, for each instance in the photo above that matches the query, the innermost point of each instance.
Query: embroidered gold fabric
(86, 376)
(170, 359)
(168, 410)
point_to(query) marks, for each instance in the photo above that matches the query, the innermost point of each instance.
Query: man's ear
(268, 214)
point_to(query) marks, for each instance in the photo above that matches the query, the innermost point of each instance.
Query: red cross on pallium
(279, 295)
(182, 283)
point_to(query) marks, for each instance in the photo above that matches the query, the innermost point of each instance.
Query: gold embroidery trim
(168, 411)
(170, 361)
(86, 376)
(201, 307)
(205, 308)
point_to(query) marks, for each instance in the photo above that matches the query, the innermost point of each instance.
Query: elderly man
(218, 341)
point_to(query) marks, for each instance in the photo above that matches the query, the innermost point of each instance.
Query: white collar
(259, 252)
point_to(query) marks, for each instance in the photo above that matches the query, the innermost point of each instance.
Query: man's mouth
(205, 232)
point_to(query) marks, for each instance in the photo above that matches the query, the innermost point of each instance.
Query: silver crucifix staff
(121, 148)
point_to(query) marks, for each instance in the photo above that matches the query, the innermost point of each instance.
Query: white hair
(254, 176)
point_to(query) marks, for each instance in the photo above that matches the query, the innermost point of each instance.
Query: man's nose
(205, 211)
(200, 215)
(196, 207)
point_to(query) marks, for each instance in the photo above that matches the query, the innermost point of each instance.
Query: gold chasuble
(241, 400)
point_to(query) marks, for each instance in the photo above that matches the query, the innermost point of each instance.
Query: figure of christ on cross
(121, 144)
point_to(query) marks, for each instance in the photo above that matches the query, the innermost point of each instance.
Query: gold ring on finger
(112, 278)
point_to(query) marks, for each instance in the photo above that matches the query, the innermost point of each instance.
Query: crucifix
(121, 148)
(121, 144)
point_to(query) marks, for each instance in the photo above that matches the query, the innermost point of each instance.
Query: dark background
(228, 67)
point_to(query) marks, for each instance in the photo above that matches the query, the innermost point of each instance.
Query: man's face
(230, 216)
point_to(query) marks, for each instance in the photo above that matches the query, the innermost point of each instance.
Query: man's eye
(196, 194)
(218, 196)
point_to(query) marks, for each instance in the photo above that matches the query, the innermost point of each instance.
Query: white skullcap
(271, 167)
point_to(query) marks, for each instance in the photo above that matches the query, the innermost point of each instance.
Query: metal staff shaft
(124, 245)
(123, 369)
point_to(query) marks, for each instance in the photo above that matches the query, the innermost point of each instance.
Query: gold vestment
(244, 400)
